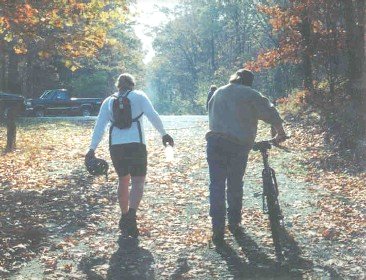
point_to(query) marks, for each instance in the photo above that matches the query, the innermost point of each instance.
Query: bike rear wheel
(274, 214)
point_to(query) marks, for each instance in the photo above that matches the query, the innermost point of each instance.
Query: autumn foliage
(288, 25)
(325, 39)
(66, 28)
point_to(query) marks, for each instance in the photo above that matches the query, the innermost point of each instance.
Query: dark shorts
(129, 158)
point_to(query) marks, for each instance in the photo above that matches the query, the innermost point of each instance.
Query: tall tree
(36, 36)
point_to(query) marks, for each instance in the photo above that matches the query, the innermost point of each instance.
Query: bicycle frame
(270, 187)
(270, 193)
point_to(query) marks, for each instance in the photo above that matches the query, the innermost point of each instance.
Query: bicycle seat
(262, 146)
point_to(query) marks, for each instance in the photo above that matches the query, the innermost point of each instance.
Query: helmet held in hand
(96, 166)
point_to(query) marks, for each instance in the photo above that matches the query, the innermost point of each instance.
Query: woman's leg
(123, 193)
(137, 190)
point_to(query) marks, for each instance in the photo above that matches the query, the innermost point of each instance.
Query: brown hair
(125, 81)
(242, 76)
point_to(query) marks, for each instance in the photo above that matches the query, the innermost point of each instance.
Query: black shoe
(218, 239)
(235, 229)
(123, 224)
(132, 229)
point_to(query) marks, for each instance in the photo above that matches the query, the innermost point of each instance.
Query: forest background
(308, 55)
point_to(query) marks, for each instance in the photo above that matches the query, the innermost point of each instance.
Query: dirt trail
(69, 229)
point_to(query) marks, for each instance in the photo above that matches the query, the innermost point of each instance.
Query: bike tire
(274, 214)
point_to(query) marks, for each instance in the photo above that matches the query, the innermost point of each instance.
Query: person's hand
(168, 139)
(90, 154)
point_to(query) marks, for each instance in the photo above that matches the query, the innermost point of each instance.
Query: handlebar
(263, 145)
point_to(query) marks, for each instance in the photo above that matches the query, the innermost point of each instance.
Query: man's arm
(281, 134)
(268, 113)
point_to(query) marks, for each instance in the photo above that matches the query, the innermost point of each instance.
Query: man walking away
(210, 93)
(234, 111)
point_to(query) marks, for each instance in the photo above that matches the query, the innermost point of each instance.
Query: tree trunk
(307, 52)
(11, 128)
(3, 65)
(212, 54)
(13, 73)
(354, 24)
(354, 39)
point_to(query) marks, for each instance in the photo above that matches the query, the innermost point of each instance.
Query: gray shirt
(234, 111)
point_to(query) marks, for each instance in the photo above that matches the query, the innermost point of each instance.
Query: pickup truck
(10, 101)
(58, 101)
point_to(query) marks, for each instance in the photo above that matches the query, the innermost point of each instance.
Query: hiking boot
(123, 224)
(132, 229)
(218, 238)
(235, 229)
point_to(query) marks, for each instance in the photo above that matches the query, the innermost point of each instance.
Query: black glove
(90, 155)
(168, 139)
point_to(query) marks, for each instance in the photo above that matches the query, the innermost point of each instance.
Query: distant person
(127, 146)
(210, 93)
(234, 111)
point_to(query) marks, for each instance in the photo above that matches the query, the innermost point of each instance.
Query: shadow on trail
(31, 217)
(259, 265)
(131, 261)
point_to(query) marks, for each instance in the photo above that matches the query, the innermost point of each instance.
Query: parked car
(58, 101)
(10, 101)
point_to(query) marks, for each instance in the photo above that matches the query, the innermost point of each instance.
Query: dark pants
(227, 162)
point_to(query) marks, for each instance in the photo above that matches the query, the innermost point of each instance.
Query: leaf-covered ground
(57, 222)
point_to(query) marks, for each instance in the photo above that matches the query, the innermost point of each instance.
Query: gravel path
(69, 231)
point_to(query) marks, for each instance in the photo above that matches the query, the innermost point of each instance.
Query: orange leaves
(330, 233)
(286, 21)
(4, 24)
(20, 49)
(81, 214)
(272, 58)
(290, 22)
(70, 28)
(280, 18)
(25, 14)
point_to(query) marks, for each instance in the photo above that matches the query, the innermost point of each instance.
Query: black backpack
(122, 114)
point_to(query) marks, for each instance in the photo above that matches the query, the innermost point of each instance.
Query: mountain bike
(271, 205)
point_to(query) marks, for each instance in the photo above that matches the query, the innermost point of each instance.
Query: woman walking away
(123, 111)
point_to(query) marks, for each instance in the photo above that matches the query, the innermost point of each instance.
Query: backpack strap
(140, 131)
(124, 94)
(137, 119)
(110, 135)
(127, 93)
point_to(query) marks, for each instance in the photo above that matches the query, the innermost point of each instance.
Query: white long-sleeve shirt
(140, 103)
